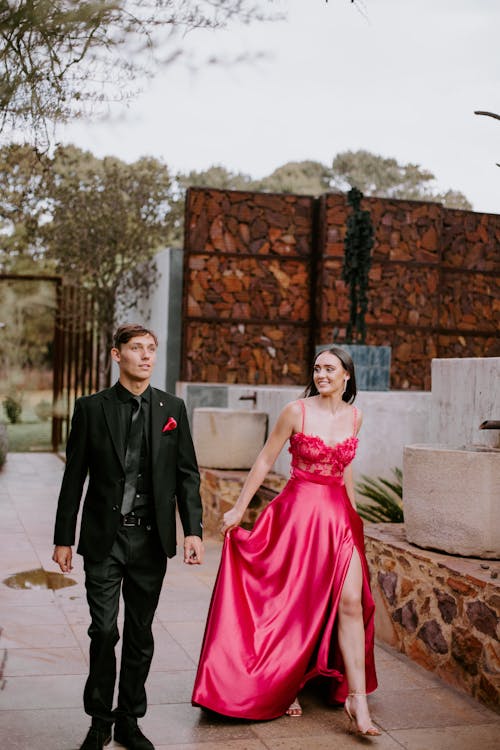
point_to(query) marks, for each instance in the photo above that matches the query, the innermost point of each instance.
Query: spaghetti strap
(355, 420)
(302, 406)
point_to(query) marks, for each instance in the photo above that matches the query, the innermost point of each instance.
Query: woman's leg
(351, 636)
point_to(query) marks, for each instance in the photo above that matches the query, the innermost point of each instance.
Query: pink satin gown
(272, 621)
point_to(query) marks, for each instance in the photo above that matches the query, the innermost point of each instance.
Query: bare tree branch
(61, 59)
(488, 114)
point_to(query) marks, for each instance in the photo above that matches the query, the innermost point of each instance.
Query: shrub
(43, 410)
(13, 409)
(386, 496)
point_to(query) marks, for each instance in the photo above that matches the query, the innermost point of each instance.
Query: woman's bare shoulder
(295, 407)
(292, 412)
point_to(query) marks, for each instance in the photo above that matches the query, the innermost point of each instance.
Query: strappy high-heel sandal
(371, 731)
(294, 709)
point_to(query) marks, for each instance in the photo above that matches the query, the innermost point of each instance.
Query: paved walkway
(43, 649)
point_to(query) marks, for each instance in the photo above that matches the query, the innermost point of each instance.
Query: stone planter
(451, 499)
(228, 438)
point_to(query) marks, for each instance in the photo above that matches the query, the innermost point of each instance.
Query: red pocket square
(170, 425)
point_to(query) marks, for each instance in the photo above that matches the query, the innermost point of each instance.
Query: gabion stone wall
(247, 287)
(434, 282)
(262, 285)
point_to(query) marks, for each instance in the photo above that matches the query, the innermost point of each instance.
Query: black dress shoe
(128, 734)
(97, 738)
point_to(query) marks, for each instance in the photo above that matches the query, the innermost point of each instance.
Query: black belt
(132, 520)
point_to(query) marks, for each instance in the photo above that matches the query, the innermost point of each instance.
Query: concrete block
(204, 395)
(450, 499)
(465, 393)
(391, 419)
(228, 438)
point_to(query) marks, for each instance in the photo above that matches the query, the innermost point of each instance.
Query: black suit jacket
(95, 448)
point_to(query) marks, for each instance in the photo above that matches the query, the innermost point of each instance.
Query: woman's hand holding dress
(266, 458)
(231, 519)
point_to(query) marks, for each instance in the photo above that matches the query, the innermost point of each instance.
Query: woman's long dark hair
(350, 392)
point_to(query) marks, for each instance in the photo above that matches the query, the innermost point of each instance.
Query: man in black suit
(134, 443)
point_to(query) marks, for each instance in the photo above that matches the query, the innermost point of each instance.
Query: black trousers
(136, 565)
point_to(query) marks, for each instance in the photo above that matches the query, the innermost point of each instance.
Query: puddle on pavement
(38, 579)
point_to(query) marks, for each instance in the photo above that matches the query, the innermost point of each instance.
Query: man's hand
(62, 556)
(193, 550)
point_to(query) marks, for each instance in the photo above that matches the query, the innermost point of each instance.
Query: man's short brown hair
(127, 331)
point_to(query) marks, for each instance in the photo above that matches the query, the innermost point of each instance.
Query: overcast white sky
(403, 82)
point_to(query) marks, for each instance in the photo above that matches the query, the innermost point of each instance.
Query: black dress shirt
(144, 503)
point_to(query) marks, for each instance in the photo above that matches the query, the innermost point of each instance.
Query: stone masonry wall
(219, 491)
(262, 285)
(440, 610)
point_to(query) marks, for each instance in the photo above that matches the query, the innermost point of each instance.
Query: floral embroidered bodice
(310, 453)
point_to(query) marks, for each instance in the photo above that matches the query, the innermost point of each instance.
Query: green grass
(29, 400)
(31, 436)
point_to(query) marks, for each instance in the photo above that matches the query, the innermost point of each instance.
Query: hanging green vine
(358, 244)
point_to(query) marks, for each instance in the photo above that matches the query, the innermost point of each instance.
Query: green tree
(370, 173)
(107, 220)
(27, 311)
(62, 58)
(300, 177)
(217, 177)
(386, 178)
(21, 209)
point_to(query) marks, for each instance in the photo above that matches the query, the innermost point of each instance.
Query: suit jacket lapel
(158, 418)
(110, 407)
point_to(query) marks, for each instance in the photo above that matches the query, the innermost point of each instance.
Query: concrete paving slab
(43, 729)
(227, 745)
(339, 740)
(45, 661)
(396, 674)
(31, 636)
(14, 616)
(172, 611)
(181, 723)
(17, 596)
(43, 691)
(177, 689)
(480, 737)
(44, 652)
(189, 635)
(435, 707)
(169, 653)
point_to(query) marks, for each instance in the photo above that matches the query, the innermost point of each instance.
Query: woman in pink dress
(292, 598)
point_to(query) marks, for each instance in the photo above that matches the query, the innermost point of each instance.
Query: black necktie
(133, 455)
